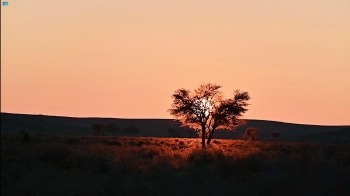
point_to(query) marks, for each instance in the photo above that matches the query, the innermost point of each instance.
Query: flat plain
(104, 165)
(59, 164)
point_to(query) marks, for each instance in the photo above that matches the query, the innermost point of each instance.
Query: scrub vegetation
(107, 165)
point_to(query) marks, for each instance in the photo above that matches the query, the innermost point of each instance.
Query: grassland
(87, 165)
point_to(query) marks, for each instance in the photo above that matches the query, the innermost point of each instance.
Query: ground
(104, 165)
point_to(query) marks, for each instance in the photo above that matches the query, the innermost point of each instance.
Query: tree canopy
(206, 110)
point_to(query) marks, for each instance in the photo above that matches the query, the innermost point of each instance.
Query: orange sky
(125, 58)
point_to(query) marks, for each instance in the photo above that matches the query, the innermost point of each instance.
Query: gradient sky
(125, 58)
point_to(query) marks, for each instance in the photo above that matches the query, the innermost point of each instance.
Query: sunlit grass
(235, 161)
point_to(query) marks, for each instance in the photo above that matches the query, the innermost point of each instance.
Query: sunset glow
(203, 105)
(124, 59)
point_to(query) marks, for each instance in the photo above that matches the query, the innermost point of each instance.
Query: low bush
(251, 134)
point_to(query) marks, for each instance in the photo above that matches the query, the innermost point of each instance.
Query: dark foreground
(57, 165)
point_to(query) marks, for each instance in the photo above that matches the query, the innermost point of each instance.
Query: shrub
(98, 129)
(275, 134)
(251, 133)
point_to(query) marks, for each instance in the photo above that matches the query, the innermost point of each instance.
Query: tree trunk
(210, 136)
(203, 136)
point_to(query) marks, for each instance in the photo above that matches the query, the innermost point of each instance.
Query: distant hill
(341, 136)
(57, 125)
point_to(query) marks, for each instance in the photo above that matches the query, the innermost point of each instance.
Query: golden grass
(265, 164)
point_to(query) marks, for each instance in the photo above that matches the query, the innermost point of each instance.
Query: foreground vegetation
(104, 165)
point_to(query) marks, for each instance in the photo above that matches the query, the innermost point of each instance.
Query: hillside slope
(55, 125)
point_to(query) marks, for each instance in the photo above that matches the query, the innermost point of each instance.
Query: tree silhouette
(205, 110)
(251, 133)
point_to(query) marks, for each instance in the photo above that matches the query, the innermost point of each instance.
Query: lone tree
(205, 109)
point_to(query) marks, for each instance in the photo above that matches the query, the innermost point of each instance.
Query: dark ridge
(59, 125)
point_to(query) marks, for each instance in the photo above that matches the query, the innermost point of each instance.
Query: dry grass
(53, 165)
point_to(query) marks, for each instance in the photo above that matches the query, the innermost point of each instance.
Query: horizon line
(160, 119)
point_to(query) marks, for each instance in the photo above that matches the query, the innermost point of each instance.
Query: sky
(125, 58)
